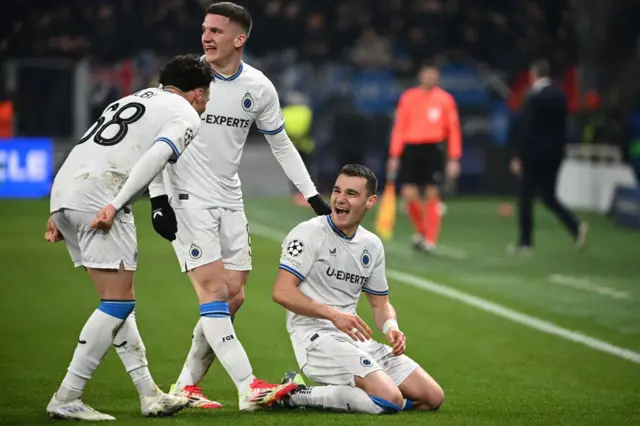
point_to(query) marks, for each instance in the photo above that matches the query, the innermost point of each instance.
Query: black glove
(163, 217)
(320, 206)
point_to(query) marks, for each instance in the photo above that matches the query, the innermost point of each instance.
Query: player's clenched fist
(398, 341)
(104, 219)
(52, 234)
(353, 325)
(163, 217)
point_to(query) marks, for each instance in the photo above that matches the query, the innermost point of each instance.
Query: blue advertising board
(26, 167)
(626, 207)
(466, 85)
(375, 91)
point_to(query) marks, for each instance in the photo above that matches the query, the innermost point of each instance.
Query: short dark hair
(186, 72)
(358, 170)
(234, 12)
(541, 67)
(429, 64)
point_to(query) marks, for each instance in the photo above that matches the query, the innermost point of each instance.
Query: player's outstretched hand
(52, 234)
(163, 218)
(398, 341)
(320, 206)
(353, 325)
(104, 219)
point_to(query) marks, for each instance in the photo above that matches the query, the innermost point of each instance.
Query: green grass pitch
(494, 370)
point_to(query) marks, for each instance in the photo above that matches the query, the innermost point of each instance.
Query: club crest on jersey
(365, 258)
(247, 102)
(195, 252)
(365, 362)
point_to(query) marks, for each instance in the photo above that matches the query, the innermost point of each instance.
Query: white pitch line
(586, 285)
(442, 250)
(484, 305)
(449, 252)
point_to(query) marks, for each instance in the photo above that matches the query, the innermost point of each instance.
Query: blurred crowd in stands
(349, 59)
(397, 34)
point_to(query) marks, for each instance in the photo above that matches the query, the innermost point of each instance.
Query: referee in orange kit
(426, 117)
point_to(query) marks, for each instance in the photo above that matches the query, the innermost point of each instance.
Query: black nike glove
(163, 217)
(320, 206)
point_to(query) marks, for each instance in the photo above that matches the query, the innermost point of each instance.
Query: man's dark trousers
(543, 177)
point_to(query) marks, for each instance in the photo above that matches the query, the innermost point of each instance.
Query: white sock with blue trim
(133, 354)
(94, 342)
(341, 399)
(199, 359)
(218, 329)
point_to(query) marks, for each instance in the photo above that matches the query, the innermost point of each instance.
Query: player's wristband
(389, 325)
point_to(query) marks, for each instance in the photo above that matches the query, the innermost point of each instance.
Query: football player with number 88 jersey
(197, 203)
(326, 263)
(117, 158)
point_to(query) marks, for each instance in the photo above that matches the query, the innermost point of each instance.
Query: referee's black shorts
(422, 164)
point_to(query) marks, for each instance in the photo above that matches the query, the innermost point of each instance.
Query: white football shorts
(334, 358)
(207, 235)
(98, 249)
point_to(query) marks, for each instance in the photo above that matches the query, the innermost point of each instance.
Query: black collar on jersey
(336, 230)
(233, 77)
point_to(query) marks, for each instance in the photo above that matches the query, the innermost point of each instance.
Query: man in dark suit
(539, 145)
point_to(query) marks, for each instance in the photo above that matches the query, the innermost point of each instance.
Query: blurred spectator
(6, 115)
(371, 50)
(357, 55)
(504, 34)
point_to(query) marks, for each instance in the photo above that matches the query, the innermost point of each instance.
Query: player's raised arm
(168, 146)
(270, 122)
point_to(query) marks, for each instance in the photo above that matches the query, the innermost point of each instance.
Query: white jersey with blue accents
(207, 175)
(97, 168)
(333, 268)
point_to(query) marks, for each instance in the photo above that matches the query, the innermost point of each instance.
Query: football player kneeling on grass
(326, 263)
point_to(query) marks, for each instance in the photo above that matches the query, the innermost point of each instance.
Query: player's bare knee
(435, 397)
(379, 385)
(429, 397)
(390, 396)
(410, 192)
(422, 389)
(236, 301)
(235, 282)
(209, 282)
(432, 192)
(394, 396)
(113, 284)
(235, 285)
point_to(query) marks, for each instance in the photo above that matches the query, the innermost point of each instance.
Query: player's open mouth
(341, 212)
(210, 49)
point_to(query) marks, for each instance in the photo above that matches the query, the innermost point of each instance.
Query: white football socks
(336, 398)
(94, 342)
(133, 354)
(218, 329)
(199, 359)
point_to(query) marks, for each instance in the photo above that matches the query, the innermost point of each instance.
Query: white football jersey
(207, 175)
(97, 168)
(334, 269)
